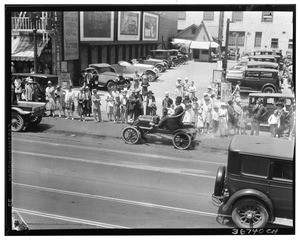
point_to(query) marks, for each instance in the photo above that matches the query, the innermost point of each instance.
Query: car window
(255, 166)
(283, 170)
(266, 74)
(252, 74)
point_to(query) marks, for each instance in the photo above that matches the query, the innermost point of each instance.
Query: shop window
(257, 40)
(208, 16)
(237, 16)
(290, 44)
(267, 17)
(274, 43)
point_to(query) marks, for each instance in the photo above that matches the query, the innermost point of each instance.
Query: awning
(200, 45)
(214, 45)
(22, 48)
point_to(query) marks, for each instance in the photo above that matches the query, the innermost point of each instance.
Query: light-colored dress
(50, 105)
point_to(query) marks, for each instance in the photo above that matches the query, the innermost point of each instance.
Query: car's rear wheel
(131, 135)
(249, 213)
(176, 63)
(151, 76)
(182, 141)
(35, 121)
(160, 67)
(219, 182)
(269, 90)
(17, 122)
(110, 85)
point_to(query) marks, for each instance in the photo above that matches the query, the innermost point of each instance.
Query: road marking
(120, 152)
(119, 200)
(188, 172)
(69, 219)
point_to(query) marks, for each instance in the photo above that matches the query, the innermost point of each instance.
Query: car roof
(261, 70)
(263, 146)
(164, 50)
(279, 95)
(42, 75)
(99, 65)
(263, 56)
(271, 64)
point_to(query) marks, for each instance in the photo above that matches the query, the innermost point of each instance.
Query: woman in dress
(69, 103)
(109, 106)
(50, 98)
(59, 101)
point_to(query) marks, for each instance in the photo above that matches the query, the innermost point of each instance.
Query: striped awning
(22, 48)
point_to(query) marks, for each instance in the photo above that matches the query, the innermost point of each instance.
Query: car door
(281, 189)
(251, 80)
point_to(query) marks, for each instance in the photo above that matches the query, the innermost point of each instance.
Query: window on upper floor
(267, 17)
(257, 40)
(290, 44)
(182, 15)
(208, 16)
(236, 38)
(237, 16)
(274, 43)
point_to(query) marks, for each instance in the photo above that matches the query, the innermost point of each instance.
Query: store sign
(96, 26)
(71, 36)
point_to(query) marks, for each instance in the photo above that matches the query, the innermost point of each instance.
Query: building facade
(249, 30)
(73, 40)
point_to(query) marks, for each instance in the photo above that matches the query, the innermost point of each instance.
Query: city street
(81, 175)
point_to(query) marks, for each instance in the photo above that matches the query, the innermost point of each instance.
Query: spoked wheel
(249, 213)
(182, 140)
(35, 121)
(131, 135)
(17, 122)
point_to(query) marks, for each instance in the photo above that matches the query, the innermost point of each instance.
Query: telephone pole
(220, 34)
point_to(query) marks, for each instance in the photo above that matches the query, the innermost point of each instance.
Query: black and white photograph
(150, 120)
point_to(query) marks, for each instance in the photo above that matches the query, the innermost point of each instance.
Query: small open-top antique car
(183, 134)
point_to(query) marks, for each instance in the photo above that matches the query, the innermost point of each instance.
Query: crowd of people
(123, 105)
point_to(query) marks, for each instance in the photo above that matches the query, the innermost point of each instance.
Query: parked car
(256, 186)
(258, 79)
(265, 58)
(173, 56)
(128, 69)
(107, 75)
(269, 101)
(40, 80)
(26, 113)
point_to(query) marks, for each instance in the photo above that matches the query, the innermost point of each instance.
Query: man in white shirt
(274, 122)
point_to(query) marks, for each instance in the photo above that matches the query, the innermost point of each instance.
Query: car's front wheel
(269, 90)
(249, 213)
(110, 85)
(17, 122)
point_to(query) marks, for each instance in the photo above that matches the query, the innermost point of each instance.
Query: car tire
(269, 90)
(249, 213)
(176, 63)
(151, 76)
(220, 181)
(160, 68)
(35, 121)
(110, 85)
(17, 122)
(182, 140)
(131, 135)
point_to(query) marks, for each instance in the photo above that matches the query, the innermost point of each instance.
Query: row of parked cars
(258, 72)
(151, 66)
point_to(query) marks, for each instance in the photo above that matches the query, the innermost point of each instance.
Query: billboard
(96, 26)
(129, 26)
(71, 35)
(150, 27)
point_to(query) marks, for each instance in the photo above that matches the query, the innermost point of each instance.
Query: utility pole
(226, 45)
(220, 34)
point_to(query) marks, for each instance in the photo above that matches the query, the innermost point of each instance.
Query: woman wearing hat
(206, 106)
(192, 90)
(59, 101)
(50, 105)
(30, 91)
(150, 104)
(145, 85)
(223, 119)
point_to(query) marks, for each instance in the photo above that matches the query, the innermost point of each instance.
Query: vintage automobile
(107, 75)
(258, 79)
(160, 65)
(269, 101)
(128, 69)
(256, 186)
(26, 114)
(183, 135)
(265, 58)
(173, 56)
(40, 80)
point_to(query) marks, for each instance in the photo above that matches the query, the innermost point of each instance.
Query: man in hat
(282, 113)
(166, 102)
(30, 91)
(207, 107)
(259, 111)
(150, 104)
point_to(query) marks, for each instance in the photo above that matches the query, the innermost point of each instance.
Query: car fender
(245, 193)
(151, 71)
(269, 85)
(20, 111)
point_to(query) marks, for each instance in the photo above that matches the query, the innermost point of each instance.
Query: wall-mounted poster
(96, 26)
(129, 26)
(150, 28)
(71, 35)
